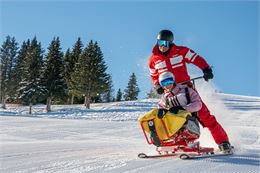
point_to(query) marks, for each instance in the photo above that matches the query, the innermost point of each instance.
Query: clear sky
(226, 34)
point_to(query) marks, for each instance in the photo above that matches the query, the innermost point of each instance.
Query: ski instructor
(166, 56)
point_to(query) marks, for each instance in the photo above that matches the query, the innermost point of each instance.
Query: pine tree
(71, 59)
(8, 54)
(31, 91)
(132, 90)
(119, 95)
(90, 78)
(53, 73)
(19, 66)
(152, 94)
(108, 93)
(67, 71)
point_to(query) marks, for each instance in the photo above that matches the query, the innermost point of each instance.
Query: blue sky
(226, 34)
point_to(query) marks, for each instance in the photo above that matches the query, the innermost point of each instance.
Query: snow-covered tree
(119, 95)
(152, 94)
(31, 90)
(67, 72)
(70, 60)
(107, 96)
(53, 77)
(89, 77)
(8, 54)
(132, 90)
(19, 66)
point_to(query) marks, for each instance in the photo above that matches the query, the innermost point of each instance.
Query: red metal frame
(182, 141)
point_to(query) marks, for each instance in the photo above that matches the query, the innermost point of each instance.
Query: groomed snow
(107, 138)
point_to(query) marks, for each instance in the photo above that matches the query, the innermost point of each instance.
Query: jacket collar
(174, 90)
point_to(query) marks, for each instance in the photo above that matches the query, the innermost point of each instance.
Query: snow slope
(107, 138)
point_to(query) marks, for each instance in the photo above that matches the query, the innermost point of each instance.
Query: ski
(196, 156)
(146, 156)
(207, 155)
(183, 156)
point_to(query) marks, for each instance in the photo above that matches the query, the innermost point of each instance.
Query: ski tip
(142, 155)
(184, 156)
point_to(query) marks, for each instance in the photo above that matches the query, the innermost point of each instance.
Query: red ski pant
(211, 123)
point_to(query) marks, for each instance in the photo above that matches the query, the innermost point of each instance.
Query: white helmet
(166, 78)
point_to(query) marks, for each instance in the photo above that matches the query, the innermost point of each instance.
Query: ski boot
(225, 147)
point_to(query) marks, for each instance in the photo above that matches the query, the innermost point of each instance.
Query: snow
(107, 138)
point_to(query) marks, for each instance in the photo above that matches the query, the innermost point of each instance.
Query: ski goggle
(166, 82)
(164, 43)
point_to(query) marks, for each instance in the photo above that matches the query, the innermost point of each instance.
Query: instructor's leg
(211, 123)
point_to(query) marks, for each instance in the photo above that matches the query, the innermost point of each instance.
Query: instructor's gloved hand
(159, 89)
(176, 109)
(161, 113)
(208, 74)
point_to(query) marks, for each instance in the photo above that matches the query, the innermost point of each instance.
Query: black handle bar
(193, 79)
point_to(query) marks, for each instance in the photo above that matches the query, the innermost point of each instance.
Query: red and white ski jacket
(175, 62)
(177, 97)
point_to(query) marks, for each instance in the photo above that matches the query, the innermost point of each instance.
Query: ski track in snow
(107, 138)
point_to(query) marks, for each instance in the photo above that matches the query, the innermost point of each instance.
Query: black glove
(208, 74)
(175, 109)
(161, 113)
(159, 89)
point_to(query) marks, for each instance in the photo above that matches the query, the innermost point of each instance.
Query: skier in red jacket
(166, 56)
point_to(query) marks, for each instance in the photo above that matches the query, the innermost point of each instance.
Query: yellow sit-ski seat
(173, 122)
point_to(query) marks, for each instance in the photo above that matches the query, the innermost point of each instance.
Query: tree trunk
(48, 107)
(87, 102)
(30, 108)
(72, 99)
(3, 103)
(68, 100)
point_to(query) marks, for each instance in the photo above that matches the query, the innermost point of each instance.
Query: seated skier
(177, 96)
(181, 97)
